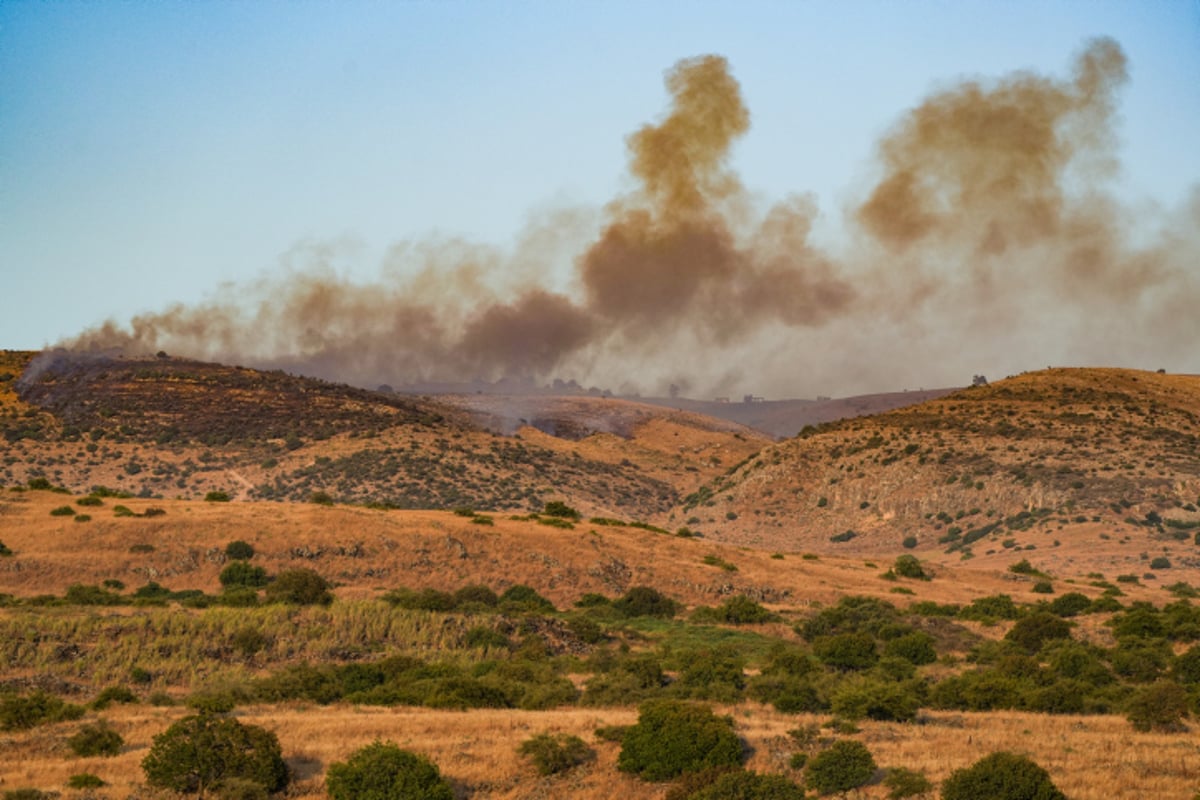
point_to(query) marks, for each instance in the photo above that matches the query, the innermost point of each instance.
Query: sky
(161, 153)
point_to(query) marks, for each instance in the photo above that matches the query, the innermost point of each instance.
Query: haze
(788, 201)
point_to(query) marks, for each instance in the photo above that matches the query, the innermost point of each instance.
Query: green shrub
(559, 509)
(846, 765)
(4, 550)
(1001, 776)
(907, 566)
(916, 648)
(299, 586)
(90, 500)
(29, 794)
(644, 601)
(524, 598)
(555, 753)
(909, 543)
(1162, 562)
(382, 771)
(321, 498)
(1160, 706)
(999, 606)
(62, 511)
(741, 610)
(201, 751)
(85, 780)
(113, 694)
(237, 550)
(20, 712)
(96, 740)
(1031, 632)
(902, 782)
(887, 701)
(1070, 604)
(82, 594)
(243, 575)
(846, 651)
(672, 738)
(742, 785)
(476, 594)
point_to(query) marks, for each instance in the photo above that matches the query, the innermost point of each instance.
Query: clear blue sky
(150, 152)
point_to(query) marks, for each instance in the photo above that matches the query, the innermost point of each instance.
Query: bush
(846, 651)
(846, 765)
(557, 508)
(201, 751)
(672, 738)
(742, 785)
(300, 587)
(216, 497)
(85, 780)
(902, 782)
(523, 598)
(916, 648)
(5, 550)
(22, 712)
(1030, 633)
(644, 601)
(1070, 604)
(1001, 776)
(552, 754)
(382, 771)
(909, 543)
(1162, 562)
(113, 694)
(62, 511)
(1161, 706)
(241, 574)
(907, 566)
(238, 550)
(741, 610)
(96, 740)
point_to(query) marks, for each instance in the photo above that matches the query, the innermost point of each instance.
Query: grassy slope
(1085, 451)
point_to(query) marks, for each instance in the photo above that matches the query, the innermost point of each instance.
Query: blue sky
(150, 152)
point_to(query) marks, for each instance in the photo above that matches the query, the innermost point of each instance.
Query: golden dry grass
(419, 549)
(1089, 758)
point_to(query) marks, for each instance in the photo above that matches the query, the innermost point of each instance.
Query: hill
(1090, 464)
(166, 427)
(786, 418)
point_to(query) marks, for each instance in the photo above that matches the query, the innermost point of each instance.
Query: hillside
(167, 427)
(1104, 462)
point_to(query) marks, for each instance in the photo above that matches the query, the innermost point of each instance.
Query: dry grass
(1089, 758)
(421, 549)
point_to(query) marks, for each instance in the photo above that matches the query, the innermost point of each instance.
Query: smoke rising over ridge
(988, 242)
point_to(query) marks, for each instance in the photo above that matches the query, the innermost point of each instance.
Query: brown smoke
(989, 242)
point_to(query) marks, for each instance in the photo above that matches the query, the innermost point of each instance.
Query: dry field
(366, 551)
(1089, 758)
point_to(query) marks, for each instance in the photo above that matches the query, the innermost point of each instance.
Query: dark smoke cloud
(988, 242)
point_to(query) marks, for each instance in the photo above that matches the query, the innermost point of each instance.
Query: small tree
(200, 751)
(299, 586)
(1001, 776)
(237, 550)
(846, 765)
(645, 601)
(552, 754)
(672, 738)
(557, 508)
(382, 771)
(1160, 706)
(907, 566)
(1031, 632)
(96, 740)
(242, 574)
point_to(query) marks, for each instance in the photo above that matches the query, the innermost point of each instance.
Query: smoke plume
(987, 243)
